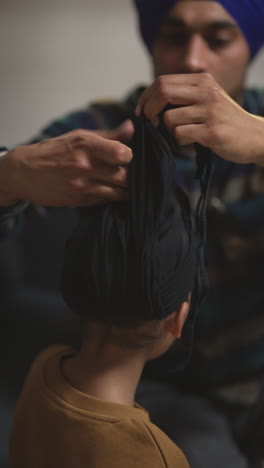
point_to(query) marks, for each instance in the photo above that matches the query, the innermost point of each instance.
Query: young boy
(128, 272)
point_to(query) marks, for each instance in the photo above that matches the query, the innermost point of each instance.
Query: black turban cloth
(127, 262)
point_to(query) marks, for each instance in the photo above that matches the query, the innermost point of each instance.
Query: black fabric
(138, 260)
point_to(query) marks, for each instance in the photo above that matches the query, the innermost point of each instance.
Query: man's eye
(218, 43)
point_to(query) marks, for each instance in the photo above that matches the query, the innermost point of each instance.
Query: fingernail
(127, 125)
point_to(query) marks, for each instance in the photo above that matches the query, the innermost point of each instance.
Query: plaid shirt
(229, 338)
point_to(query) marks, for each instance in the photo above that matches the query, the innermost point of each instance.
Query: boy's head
(129, 267)
(150, 338)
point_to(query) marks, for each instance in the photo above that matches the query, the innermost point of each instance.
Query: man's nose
(196, 55)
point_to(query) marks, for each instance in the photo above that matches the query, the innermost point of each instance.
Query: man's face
(201, 36)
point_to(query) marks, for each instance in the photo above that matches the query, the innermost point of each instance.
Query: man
(226, 370)
(201, 51)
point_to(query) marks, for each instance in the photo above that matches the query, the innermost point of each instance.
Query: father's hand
(76, 169)
(205, 114)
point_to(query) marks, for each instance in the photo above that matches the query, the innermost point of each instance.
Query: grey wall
(57, 55)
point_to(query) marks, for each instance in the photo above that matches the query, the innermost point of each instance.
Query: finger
(143, 98)
(107, 192)
(195, 79)
(113, 175)
(108, 151)
(158, 85)
(80, 132)
(125, 132)
(122, 133)
(111, 152)
(173, 96)
(190, 134)
(85, 167)
(184, 116)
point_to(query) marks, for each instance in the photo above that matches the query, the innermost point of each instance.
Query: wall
(57, 55)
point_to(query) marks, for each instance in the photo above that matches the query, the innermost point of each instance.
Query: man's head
(192, 36)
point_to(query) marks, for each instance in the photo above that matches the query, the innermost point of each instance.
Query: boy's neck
(110, 376)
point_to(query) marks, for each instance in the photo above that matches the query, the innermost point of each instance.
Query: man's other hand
(79, 168)
(200, 111)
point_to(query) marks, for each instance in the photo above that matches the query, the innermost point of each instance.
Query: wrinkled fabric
(249, 15)
(135, 257)
(139, 257)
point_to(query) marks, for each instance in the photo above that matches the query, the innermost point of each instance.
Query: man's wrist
(7, 200)
(3, 151)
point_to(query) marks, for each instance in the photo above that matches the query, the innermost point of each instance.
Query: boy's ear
(175, 321)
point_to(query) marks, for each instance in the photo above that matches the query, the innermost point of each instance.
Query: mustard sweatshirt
(57, 426)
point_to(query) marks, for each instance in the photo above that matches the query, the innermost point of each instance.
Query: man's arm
(80, 168)
(76, 169)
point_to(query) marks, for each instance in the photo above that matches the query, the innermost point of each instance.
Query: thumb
(122, 133)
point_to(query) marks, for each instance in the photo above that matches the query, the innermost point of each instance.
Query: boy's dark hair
(138, 336)
(134, 261)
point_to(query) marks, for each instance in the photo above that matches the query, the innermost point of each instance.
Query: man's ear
(175, 321)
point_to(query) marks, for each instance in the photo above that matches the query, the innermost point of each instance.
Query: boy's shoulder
(141, 441)
(52, 352)
(171, 453)
(122, 432)
(35, 379)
